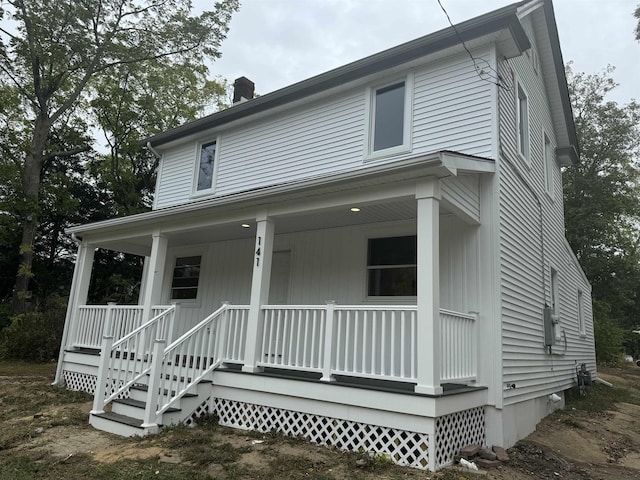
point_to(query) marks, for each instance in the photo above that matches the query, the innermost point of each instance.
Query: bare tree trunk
(31, 175)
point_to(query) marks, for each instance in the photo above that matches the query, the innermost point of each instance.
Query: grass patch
(82, 467)
(21, 369)
(200, 445)
(572, 423)
(18, 468)
(599, 398)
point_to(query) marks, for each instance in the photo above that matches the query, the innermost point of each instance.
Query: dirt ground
(44, 434)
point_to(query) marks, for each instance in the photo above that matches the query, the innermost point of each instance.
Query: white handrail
(191, 357)
(126, 361)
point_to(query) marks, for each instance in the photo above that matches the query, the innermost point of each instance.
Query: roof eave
(562, 82)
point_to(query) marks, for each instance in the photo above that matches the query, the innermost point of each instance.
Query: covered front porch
(297, 284)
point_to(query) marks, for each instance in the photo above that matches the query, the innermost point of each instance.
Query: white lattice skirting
(85, 382)
(81, 382)
(403, 447)
(457, 430)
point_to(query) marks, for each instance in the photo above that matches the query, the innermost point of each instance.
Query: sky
(279, 42)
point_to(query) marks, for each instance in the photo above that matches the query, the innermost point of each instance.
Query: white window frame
(170, 266)
(524, 126)
(549, 163)
(196, 168)
(370, 108)
(581, 326)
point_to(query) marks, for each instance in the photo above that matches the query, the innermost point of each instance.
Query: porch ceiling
(317, 220)
(404, 209)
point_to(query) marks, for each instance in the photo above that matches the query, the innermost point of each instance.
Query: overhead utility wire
(482, 74)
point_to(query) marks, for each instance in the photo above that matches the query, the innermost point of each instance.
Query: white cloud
(278, 42)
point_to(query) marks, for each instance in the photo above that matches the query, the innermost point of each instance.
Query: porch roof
(132, 234)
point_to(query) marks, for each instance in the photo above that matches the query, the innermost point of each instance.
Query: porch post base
(329, 378)
(428, 389)
(252, 369)
(96, 412)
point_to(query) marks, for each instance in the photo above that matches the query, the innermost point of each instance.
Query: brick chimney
(242, 89)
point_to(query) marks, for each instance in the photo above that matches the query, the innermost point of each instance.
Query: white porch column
(77, 296)
(155, 266)
(428, 329)
(143, 281)
(263, 254)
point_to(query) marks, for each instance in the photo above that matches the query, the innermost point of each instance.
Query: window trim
(196, 168)
(181, 252)
(370, 108)
(386, 298)
(548, 164)
(524, 150)
(582, 330)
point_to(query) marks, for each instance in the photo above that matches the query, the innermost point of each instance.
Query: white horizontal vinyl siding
(451, 111)
(452, 107)
(324, 138)
(526, 257)
(175, 176)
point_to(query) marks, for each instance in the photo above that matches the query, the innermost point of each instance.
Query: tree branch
(66, 153)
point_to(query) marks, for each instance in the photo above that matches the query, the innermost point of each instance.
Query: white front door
(280, 271)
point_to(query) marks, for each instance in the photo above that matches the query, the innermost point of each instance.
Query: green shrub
(34, 336)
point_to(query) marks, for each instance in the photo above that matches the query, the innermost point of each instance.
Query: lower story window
(392, 267)
(186, 275)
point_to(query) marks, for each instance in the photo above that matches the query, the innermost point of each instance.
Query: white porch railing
(376, 342)
(120, 320)
(219, 337)
(364, 341)
(459, 351)
(126, 361)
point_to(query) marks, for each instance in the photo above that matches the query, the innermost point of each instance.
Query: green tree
(50, 66)
(602, 200)
(139, 101)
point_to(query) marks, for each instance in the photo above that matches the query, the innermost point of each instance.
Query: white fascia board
(576, 263)
(527, 8)
(460, 163)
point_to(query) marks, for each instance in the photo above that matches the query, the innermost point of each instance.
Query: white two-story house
(373, 258)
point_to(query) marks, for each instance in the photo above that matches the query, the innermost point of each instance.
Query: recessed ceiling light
(245, 225)
(355, 209)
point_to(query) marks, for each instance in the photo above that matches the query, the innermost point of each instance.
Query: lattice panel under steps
(203, 409)
(84, 382)
(401, 446)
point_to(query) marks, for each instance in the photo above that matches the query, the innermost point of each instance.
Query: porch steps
(127, 414)
(119, 424)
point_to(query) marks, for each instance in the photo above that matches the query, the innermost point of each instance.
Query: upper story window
(392, 267)
(186, 275)
(206, 166)
(522, 107)
(388, 122)
(390, 118)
